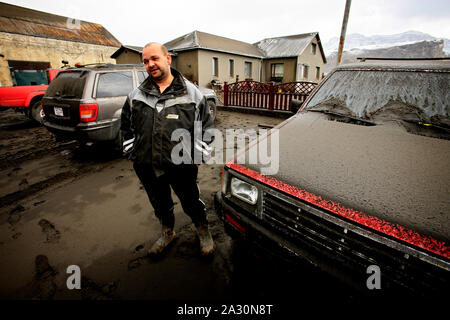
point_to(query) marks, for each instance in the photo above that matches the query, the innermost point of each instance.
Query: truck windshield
(68, 84)
(403, 95)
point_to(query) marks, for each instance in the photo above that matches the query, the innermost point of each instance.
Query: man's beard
(158, 77)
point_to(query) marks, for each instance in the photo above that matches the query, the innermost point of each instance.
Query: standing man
(163, 103)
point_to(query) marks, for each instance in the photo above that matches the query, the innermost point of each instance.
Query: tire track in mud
(37, 187)
(22, 139)
(24, 143)
(34, 188)
(11, 159)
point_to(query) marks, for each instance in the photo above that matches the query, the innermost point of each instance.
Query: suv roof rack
(93, 64)
(107, 65)
(362, 59)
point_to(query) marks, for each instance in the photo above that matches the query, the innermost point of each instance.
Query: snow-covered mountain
(361, 42)
(411, 44)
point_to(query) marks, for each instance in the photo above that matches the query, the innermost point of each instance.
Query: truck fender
(32, 96)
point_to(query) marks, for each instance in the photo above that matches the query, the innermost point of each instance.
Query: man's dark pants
(183, 180)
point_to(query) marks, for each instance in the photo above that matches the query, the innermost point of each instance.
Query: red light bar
(235, 223)
(394, 230)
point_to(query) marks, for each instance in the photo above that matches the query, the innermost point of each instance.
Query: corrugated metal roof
(123, 47)
(202, 40)
(134, 48)
(281, 47)
(188, 41)
(19, 20)
(289, 46)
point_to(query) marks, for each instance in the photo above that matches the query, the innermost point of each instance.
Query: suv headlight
(244, 191)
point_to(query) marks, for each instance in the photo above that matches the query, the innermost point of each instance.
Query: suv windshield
(67, 84)
(413, 96)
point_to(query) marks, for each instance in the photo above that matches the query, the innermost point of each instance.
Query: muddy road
(63, 205)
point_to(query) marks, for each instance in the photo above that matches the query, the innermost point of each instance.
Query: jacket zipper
(161, 133)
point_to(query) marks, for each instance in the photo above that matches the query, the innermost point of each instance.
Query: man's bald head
(157, 45)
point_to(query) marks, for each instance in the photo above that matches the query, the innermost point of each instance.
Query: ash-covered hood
(382, 170)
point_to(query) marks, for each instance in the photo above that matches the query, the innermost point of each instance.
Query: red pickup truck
(27, 98)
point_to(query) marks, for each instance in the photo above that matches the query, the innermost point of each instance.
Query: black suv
(85, 102)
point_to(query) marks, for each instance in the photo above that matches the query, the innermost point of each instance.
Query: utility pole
(343, 30)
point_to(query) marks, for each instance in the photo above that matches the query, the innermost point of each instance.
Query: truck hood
(380, 171)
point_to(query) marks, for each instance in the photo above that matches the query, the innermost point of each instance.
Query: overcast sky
(136, 22)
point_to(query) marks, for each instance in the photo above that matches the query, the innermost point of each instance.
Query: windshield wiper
(342, 115)
(428, 124)
(67, 96)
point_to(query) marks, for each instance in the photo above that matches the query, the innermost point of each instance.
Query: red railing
(265, 95)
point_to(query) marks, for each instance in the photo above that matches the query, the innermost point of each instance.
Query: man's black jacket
(181, 105)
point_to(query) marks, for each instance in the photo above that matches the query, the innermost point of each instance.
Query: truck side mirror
(295, 105)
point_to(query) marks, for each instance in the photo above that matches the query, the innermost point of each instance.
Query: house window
(305, 71)
(248, 70)
(277, 72)
(231, 68)
(318, 73)
(313, 48)
(215, 66)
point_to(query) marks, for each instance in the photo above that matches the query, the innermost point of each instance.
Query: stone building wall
(30, 48)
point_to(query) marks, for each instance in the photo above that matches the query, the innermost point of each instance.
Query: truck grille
(331, 238)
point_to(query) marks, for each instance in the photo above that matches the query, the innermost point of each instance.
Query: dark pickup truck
(361, 180)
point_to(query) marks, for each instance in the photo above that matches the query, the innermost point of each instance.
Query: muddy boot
(167, 236)
(206, 241)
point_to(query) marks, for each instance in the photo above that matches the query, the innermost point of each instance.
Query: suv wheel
(118, 143)
(37, 113)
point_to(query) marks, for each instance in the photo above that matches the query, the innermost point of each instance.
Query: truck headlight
(244, 191)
